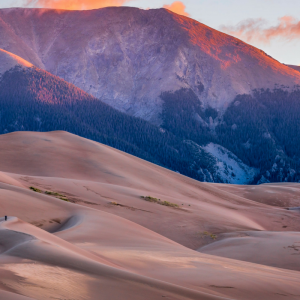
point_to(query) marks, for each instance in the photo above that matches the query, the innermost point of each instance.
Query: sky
(271, 25)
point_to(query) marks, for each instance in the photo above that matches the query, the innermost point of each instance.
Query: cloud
(177, 7)
(75, 4)
(257, 30)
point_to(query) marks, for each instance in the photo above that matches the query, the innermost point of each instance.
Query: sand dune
(96, 175)
(10, 296)
(284, 194)
(276, 249)
(100, 246)
(6, 178)
(25, 241)
(107, 242)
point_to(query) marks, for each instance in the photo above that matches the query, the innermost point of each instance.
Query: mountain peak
(128, 56)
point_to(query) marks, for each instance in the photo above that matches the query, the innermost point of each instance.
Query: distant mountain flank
(127, 56)
(9, 60)
(32, 99)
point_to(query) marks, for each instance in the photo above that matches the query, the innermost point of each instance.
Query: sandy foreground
(93, 236)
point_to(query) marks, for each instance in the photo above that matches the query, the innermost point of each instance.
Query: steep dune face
(127, 56)
(9, 60)
(53, 248)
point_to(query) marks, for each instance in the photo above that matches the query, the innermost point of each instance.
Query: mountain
(9, 60)
(260, 129)
(85, 220)
(41, 101)
(127, 56)
(224, 111)
(297, 68)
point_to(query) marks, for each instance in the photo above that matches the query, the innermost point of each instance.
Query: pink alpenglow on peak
(76, 4)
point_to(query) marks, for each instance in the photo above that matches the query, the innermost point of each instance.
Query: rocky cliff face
(126, 56)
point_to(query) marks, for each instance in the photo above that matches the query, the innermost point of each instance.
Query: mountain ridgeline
(127, 56)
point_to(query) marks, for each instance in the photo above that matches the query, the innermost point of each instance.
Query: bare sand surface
(93, 236)
(276, 249)
(284, 194)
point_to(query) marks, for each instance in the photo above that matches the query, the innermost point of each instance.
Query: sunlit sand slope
(95, 175)
(93, 245)
(285, 194)
(277, 249)
(86, 252)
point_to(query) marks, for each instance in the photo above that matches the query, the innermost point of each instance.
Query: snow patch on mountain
(228, 167)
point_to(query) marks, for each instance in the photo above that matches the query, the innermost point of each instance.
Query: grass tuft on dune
(36, 189)
(158, 201)
(50, 193)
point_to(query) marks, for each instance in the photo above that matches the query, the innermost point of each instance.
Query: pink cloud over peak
(251, 30)
(76, 4)
(177, 7)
